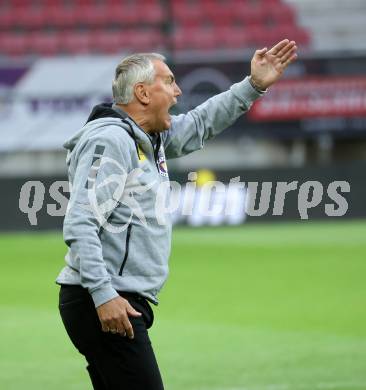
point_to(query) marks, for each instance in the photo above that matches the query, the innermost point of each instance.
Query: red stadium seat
(130, 40)
(232, 37)
(13, 44)
(140, 3)
(249, 15)
(111, 26)
(135, 14)
(51, 3)
(76, 43)
(21, 3)
(300, 35)
(260, 37)
(149, 39)
(218, 13)
(78, 3)
(93, 16)
(44, 44)
(108, 42)
(7, 18)
(121, 15)
(30, 17)
(184, 12)
(257, 36)
(280, 13)
(152, 13)
(61, 17)
(195, 38)
(303, 36)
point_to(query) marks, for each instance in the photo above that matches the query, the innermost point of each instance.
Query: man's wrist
(256, 86)
(103, 294)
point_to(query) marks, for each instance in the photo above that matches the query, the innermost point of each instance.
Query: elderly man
(117, 260)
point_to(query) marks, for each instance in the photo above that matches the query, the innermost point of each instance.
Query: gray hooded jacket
(115, 237)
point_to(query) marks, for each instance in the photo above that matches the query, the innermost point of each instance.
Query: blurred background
(270, 306)
(57, 59)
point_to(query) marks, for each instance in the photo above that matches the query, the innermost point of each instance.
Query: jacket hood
(100, 111)
(105, 110)
(102, 115)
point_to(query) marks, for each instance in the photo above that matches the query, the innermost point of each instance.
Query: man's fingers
(289, 61)
(286, 50)
(128, 327)
(105, 327)
(115, 327)
(114, 314)
(110, 326)
(261, 52)
(288, 55)
(121, 330)
(118, 327)
(279, 46)
(132, 312)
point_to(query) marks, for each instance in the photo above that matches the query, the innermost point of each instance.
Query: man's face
(163, 95)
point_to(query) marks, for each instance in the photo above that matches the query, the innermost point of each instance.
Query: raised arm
(188, 132)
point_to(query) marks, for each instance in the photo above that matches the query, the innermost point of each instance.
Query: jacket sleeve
(99, 179)
(188, 132)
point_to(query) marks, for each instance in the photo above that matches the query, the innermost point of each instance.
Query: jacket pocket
(72, 295)
(127, 246)
(72, 303)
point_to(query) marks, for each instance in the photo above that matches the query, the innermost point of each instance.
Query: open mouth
(172, 105)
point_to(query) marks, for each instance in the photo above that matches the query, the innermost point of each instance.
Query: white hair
(136, 68)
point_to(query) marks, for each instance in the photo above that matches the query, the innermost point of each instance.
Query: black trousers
(114, 362)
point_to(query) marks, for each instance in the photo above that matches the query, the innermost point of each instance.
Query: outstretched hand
(267, 66)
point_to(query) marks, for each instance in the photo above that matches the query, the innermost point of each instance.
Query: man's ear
(141, 93)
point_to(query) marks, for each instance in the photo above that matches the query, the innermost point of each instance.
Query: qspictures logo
(123, 187)
(193, 202)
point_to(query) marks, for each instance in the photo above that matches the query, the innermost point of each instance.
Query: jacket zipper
(127, 248)
(155, 150)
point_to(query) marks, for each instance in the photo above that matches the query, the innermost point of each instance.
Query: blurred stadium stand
(79, 27)
(334, 24)
(57, 59)
(33, 31)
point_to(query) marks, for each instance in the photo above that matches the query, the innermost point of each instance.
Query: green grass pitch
(258, 307)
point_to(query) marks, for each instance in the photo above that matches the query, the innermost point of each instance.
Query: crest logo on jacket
(163, 168)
